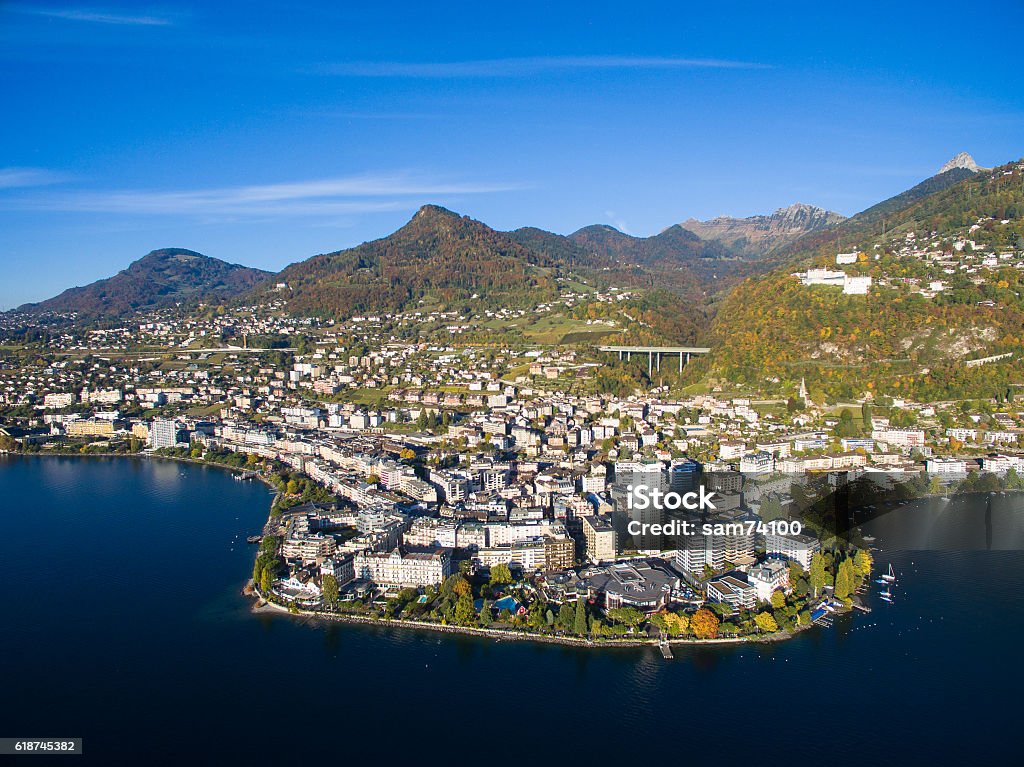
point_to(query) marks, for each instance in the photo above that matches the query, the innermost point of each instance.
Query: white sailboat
(889, 577)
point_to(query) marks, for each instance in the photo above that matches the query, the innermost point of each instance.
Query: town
(489, 488)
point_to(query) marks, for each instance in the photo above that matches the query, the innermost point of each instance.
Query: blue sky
(263, 133)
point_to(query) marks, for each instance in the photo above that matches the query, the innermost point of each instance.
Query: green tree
(464, 612)
(485, 613)
(778, 599)
(580, 618)
(658, 621)
(1014, 481)
(628, 616)
(266, 579)
(535, 616)
(500, 574)
(330, 589)
(771, 509)
(846, 427)
(566, 617)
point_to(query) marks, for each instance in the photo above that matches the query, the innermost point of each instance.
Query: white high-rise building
(164, 433)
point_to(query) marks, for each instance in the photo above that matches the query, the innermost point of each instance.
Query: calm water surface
(124, 625)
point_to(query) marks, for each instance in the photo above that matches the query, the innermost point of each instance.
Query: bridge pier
(655, 353)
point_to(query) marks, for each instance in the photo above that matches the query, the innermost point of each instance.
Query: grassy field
(205, 411)
(550, 329)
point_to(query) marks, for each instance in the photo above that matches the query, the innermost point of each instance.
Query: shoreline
(178, 459)
(262, 606)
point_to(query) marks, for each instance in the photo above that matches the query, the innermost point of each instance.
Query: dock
(666, 650)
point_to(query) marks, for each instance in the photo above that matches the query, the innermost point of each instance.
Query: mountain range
(438, 255)
(758, 235)
(726, 282)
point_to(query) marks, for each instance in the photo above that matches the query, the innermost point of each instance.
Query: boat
(889, 577)
(254, 539)
(887, 598)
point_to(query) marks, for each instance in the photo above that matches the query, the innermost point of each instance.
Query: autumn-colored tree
(862, 562)
(462, 588)
(455, 584)
(676, 624)
(846, 580)
(766, 622)
(778, 599)
(704, 624)
(819, 575)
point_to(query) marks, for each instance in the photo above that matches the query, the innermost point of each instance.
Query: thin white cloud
(522, 67)
(617, 221)
(365, 193)
(93, 16)
(14, 178)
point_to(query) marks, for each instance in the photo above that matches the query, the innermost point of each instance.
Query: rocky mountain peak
(961, 160)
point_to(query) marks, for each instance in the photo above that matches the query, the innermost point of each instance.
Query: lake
(124, 625)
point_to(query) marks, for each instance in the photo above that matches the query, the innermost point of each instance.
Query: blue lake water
(124, 625)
